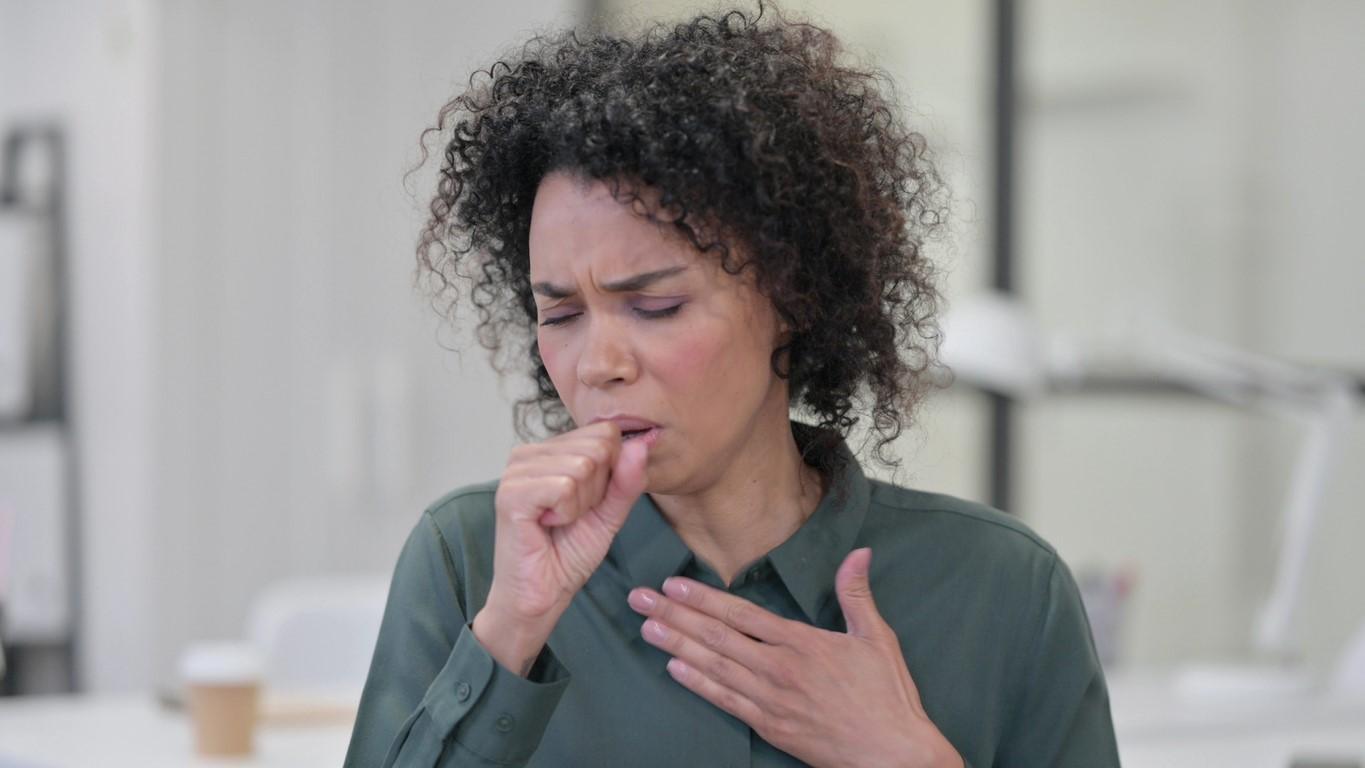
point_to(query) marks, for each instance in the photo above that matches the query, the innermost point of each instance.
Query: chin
(665, 479)
(686, 482)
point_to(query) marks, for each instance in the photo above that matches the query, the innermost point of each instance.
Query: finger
(576, 468)
(531, 496)
(586, 470)
(585, 460)
(720, 651)
(727, 699)
(851, 583)
(596, 441)
(597, 430)
(706, 632)
(606, 450)
(734, 611)
(628, 480)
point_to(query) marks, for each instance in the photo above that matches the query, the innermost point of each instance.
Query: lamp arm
(1301, 507)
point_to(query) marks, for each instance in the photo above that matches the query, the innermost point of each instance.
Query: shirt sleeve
(1063, 718)
(434, 695)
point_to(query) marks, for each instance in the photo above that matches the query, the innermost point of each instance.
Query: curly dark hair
(770, 151)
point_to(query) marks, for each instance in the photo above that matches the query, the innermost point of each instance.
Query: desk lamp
(992, 341)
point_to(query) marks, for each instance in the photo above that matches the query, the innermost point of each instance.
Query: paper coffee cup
(223, 683)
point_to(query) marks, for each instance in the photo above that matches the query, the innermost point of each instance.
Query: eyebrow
(632, 283)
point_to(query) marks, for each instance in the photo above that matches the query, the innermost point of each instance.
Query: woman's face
(634, 322)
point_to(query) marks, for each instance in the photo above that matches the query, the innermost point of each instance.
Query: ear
(784, 330)
(783, 338)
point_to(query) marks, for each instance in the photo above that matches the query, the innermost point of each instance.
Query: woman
(700, 229)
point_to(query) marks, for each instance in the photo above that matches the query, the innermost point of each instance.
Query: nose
(607, 356)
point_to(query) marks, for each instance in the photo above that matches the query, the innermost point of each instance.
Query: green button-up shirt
(989, 618)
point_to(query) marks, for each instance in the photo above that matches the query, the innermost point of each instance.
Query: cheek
(555, 357)
(687, 359)
(716, 366)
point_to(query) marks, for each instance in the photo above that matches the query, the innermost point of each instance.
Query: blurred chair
(317, 635)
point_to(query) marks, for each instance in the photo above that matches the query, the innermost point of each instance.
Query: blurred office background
(253, 392)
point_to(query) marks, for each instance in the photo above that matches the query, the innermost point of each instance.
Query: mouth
(634, 427)
(647, 436)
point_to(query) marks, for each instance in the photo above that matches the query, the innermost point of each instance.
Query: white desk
(1157, 727)
(118, 731)
(1156, 730)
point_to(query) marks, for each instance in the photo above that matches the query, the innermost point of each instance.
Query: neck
(762, 497)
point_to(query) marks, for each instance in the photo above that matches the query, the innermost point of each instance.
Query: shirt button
(462, 691)
(504, 723)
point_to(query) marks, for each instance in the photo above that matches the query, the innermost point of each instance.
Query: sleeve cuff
(491, 710)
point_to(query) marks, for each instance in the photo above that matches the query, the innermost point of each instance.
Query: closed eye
(559, 320)
(661, 312)
(649, 314)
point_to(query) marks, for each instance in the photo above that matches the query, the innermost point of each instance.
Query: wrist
(946, 756)
(926, 750)
(514, 643)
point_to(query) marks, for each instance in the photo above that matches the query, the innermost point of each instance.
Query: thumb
(626, 484)
(855, 594)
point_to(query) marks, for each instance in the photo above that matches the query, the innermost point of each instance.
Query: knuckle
(565, 489)
(782, 676)
(601, 452)
(509, 489)
(568, 484)
(718, 669)
(713, 635)
(582, 465)
(887, 635)
(769, 726)
(732, 702)
(777, 709)
(739, 614)
(782, 729)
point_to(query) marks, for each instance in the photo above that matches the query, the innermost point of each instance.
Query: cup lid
(220, 663)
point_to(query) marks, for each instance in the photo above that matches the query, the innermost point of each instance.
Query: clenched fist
(559, 505)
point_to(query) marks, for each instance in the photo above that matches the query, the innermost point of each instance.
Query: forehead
(577, 222)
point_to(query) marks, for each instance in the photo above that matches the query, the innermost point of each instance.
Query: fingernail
(656, 630)
(641, 600)
(675, 587)
(677, 666)
(866, 564)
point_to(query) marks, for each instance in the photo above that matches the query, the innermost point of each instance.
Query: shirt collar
(651, 550)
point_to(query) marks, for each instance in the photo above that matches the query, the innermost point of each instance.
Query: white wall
(1129, 207)
(935, 53)
(1195, 162)
(1305, 93)
(88, 65)
(307, 411)
(260, 393)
